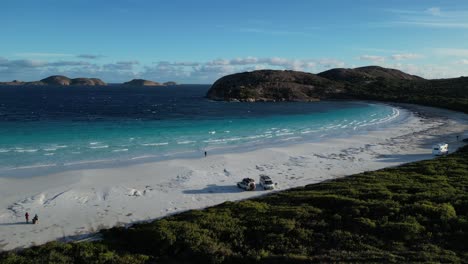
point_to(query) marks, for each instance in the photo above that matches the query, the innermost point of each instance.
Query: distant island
(141, 82)
(60, 80)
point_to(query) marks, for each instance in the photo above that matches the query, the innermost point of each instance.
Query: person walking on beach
(35, 219)
(26, 215)
(205, 153)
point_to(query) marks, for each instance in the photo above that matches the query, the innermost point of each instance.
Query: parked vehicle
(266, 182)
(440, 149)
(247, 184)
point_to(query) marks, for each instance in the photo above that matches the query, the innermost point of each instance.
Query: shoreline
(221, 149)
(80, 202)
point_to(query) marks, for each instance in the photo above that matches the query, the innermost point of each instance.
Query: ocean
(59, 128)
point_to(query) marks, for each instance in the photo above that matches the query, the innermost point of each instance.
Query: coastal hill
(277, 85)
(364, 83)
(141, 82)
(273, 85)
(366, 73)
(60, 80)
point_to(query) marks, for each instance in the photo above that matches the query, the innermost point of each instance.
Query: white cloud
(452, 52)
(405, 56)
(331, 63)
(43, 54)
(435, 11)
(89, 56)
(372, 58)
(432, 17)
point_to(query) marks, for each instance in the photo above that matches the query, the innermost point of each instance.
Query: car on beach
(247, 184)
(440, 149)
(266, 182)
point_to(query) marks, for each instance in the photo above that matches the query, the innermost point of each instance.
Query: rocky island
(60, 80)
(141, 82)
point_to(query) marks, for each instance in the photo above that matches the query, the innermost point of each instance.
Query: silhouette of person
(205, 153)
(35, 219)
(26, 215)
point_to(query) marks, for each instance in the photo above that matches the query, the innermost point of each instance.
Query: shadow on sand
(404, 157)
(213, 188)
(15, 223)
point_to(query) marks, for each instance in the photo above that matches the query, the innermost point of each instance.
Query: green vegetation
(417, 212)
(445, 93)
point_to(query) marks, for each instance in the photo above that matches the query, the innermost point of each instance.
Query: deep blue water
(60, 127)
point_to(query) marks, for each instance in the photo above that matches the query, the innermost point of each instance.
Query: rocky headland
(364, 83)
(273, 85)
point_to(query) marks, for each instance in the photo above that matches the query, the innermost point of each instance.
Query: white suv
(266, 182)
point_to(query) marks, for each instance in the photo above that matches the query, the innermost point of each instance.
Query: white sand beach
(73, 204)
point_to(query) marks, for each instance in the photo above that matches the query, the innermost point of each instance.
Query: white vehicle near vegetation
(266, 182)
(247, 184)
(440, 149)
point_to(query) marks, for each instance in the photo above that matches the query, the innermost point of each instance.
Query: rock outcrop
(169, 83)
(141, 82)
(273, 85)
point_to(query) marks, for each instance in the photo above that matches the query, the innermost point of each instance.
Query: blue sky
(200, 41)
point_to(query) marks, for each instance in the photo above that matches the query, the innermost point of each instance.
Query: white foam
(26, 150)
(84, 162)
(284, 134)
(290, 138)
(35, 166)
(142, 157)
(119, 150)
(308, 131)
(99, 147)
(185, 142)
(4, 150)
(94, 143)
(50, 149)
(155, 144)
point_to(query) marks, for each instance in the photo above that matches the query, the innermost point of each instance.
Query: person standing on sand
(35, 219)
(26, 215)
(205, 153)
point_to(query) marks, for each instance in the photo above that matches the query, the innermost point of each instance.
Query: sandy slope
(74, 203)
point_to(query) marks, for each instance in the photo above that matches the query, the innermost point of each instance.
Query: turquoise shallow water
(56, 140)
